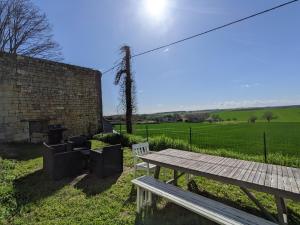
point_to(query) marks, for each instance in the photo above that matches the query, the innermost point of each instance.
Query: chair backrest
(54, 149)
(78, 141)
(112, 159)
(140, 149)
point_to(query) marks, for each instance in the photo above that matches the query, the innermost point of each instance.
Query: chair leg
(148, 169)
(134, 171)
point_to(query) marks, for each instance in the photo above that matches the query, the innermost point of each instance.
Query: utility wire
(206, 32)
(106, 71)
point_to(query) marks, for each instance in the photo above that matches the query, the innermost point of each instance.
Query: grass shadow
(36, 186)
(294, 217)
(20, 151)
(170, 214)
(193, 187)
(92, 185)
(132, 196)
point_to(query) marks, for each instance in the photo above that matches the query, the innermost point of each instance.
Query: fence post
(190, 136)
(265, 147)
(147, 133)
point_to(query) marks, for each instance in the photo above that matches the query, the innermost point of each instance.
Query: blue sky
(254, 63)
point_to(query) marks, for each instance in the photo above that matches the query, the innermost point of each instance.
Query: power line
(208, 31)
(106, 71)
(214, 29)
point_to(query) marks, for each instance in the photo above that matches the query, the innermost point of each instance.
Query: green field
(241, 137)
(244, 138)
(235, 133)
(283, 114)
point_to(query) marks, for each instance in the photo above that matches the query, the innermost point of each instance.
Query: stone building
(36, 95)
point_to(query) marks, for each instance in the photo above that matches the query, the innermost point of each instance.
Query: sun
(156, 8)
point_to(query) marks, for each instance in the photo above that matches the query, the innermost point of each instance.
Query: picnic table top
(273, 179)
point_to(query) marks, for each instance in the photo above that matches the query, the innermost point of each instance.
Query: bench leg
(145, 198)
(282, 210)
(156, 176)
(141, 199)
(149, 198)
(138, 201)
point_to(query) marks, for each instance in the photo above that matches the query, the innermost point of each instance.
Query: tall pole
(128, 90)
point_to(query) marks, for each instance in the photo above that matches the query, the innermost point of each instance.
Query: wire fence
(251, 142)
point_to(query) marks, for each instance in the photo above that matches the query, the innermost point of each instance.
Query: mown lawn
(29, 197)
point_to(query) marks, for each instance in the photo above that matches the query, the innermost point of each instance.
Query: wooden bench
(210, 209)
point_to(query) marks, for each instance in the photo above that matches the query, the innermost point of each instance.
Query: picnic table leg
(257, 203)
(149, 194)
(282, 210)
(175, 175)
(156, 173)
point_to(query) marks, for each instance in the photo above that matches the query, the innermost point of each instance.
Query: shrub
(123, 139)
(158, 143)
(162, 142)
(108, 138)
(8, 202)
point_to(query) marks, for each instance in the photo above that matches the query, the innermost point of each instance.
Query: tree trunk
(128, 92)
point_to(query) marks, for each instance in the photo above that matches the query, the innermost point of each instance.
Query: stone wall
(37, 93)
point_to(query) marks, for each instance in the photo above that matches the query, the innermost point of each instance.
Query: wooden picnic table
(281, 181)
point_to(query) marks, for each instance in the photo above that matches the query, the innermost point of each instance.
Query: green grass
(282, 138)
(29, 197)
(290, 114)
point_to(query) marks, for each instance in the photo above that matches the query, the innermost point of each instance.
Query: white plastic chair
(140, 150)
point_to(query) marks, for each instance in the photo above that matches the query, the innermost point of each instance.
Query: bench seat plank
(210, 209)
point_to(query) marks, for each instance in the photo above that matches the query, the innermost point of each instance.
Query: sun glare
(156, 8)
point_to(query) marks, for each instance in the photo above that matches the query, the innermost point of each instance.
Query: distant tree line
(192, 117)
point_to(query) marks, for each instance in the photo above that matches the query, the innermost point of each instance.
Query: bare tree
(26, 31)
(124, 78)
